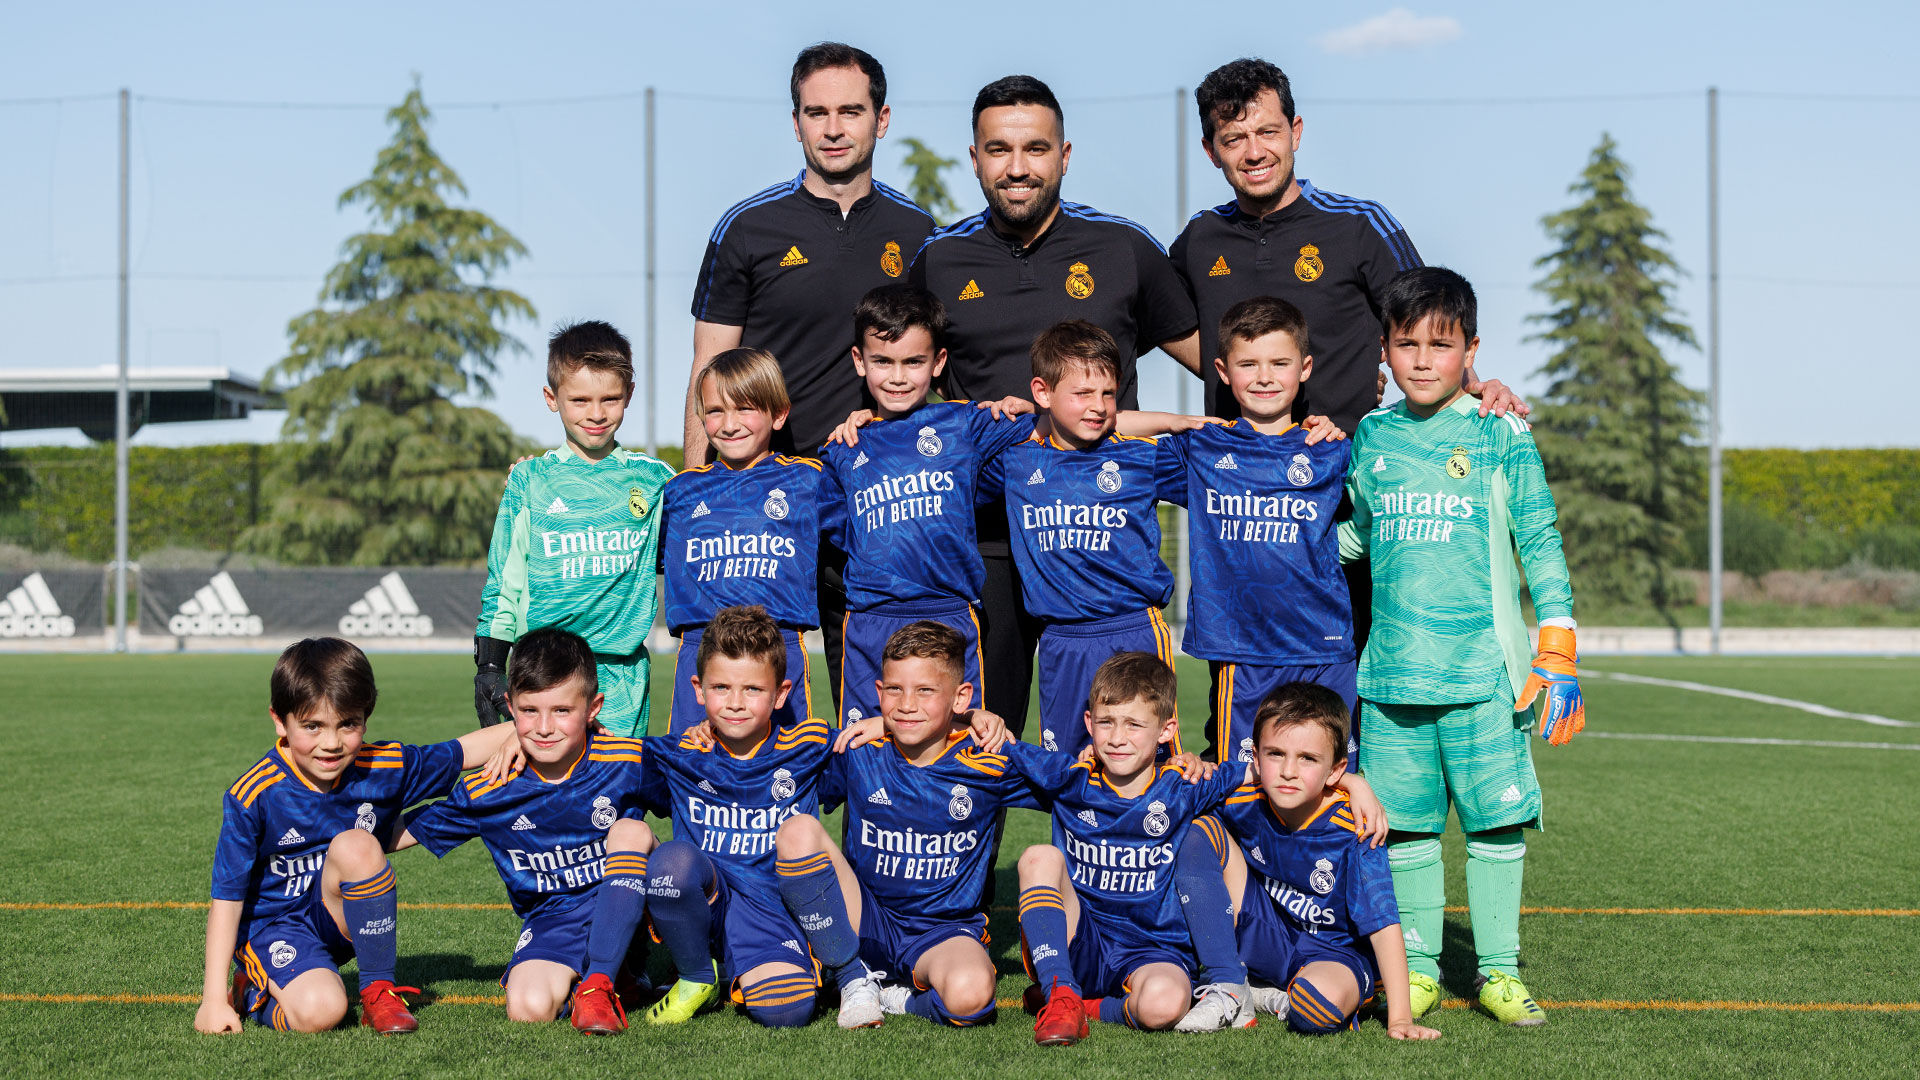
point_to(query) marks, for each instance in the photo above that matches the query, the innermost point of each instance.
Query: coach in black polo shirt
(1021, 265)
(784, 268)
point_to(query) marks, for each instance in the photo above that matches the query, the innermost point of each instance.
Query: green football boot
(1506, 999)
(1423, 993)
(684, 999)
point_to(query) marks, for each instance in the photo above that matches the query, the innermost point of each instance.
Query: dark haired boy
(564, 833)
(576, 541)
(1443, 499)
(300, 881)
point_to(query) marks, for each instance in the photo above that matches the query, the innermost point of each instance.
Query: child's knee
(780, 1002)
(1412, 851)
(1202, 848)
(1312, 1011)
(677, 871)
(631, 834)
(309, 1009)
(355, 855)
(969, 989)
(799, 836)
(1160, 1002)
(532, 1003)
(1041, 863)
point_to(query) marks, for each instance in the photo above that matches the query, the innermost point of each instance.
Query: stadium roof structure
(38, 398)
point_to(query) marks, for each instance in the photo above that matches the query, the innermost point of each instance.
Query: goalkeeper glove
(1554, 671)
(490, 680)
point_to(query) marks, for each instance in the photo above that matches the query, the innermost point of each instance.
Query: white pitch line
(1651, 737)
(1764, 699)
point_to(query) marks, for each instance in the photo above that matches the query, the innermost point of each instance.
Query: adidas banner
(41, 604)
(367, 606)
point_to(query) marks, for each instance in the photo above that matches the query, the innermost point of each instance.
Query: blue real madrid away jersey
(746, 536)
(276, 825)
(909, 489)
(1120, 850)
(1324, 880)
(548, 839)
(1267, 586)
(920, 837)
(731, 807)
(1085, 535)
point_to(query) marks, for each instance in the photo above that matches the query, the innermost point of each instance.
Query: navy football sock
(1043, 925)
(812, 894)
(1202, 889)
(679, 878)
(371, 911)
(618, 902)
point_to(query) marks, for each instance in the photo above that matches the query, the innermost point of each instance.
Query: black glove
(490, 680)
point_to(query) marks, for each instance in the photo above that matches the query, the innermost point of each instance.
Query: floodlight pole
(1182, 580)
(121, 403)
(653, 435)
(1716, 536)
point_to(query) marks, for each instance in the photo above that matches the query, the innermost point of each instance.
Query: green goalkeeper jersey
(576, 546)
(1441, 505)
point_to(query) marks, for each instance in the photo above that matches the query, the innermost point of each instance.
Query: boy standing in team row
(1443, 498)
(747, 529)
(576, 542)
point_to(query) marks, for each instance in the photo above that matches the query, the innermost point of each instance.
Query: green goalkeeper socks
(1420, 887)
(1495, 861)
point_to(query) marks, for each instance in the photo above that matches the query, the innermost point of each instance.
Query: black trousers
(1008, 636)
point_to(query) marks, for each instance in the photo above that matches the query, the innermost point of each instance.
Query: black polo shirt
(1000, 295)
(788, 269)
(1330, 256)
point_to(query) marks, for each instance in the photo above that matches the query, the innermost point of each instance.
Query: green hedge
(61, 498)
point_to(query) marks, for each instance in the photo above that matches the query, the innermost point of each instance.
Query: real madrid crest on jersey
(1079, 281)
(1046, 740)
(1322, 877)
(1246, 750)
(525, 937)
(1109, 478)
(1308, 266)
(782, 786)
(929, 442)
(1458, 464)
(1157, 822)
(776, 505)
(1301, 471)
(363, 817)
(603, 813)
(960, 807)
(890, 259)
(637, 502)
(282, 954)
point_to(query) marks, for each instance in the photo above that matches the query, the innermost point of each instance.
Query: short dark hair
(1297, 703)
(743, 632)
(1129, 676)
(891, 310)
(322, 669)
(1075, 343)
(548, 657)
(834, 54)
(593, 345)
(1258, 316)
(928, 640)
(1428, 290)
(1015, 90)
(1228, 89)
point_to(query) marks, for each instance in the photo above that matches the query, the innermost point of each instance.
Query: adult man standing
(1021, 265)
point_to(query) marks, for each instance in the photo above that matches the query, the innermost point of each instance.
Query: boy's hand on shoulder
(1555, 672)
(216, 1018)
(505, 761)
(868, 729)
(1007, 407)
(1409, 1031)
(1191, 767)
(700, 734)
(988, 730)
(1495, 396)
(1368, 814)
(848, 432)
(1323, 429)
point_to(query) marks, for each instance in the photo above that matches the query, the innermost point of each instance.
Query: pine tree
(926, 187)
(378, 464)
(1618, 431)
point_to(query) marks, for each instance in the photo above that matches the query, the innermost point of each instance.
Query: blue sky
(235, 219)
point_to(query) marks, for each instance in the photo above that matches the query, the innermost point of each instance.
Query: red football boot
(385, 1011)
(1064, 1020)
(596, 1008)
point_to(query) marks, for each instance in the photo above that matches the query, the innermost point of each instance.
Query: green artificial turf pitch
(114, 768)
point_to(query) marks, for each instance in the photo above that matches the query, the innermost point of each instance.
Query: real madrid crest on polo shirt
(776, 504)
(1301, 471)
(890, 260)
(929, 442)
(1079, 281)
(1308, 266)
(1109, 478)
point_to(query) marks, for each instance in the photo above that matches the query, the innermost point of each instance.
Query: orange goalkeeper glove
(1554, 671)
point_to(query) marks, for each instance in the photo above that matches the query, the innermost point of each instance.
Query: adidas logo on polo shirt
(216, 609)
(879, 798)
(1219, 268)
(387, 610)
(972, 291)
(521, 824)
(701, 510)
(793, 258)
(1036, 478)
(1225, 462)
(292, 837)
(30, 611)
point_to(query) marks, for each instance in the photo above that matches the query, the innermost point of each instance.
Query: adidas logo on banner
(860, 460)
(291, 838)
(30, 611)
(879, 798)
(1225, 462)
(387, 610)
(1036, 478)
(701, 510)
(215, 610)
(558, 506)
(521, 824)
(708, 788)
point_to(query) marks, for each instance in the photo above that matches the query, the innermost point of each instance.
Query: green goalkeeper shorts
(624, 680)
(1476, 757)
